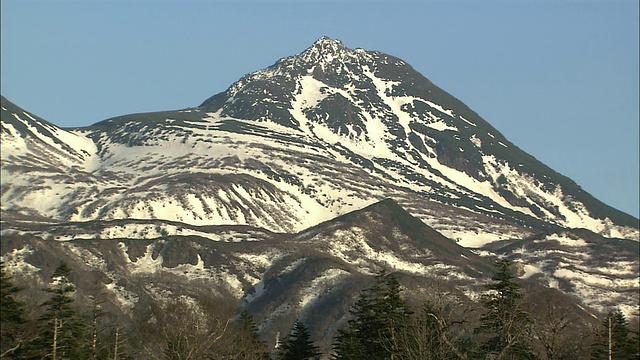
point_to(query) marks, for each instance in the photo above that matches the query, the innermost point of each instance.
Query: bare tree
(436, 333)
(558, 330)
(97, 312)
(242, 342)
(186, 328)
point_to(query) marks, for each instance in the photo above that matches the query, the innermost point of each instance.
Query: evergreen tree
(13, 315)
(63, 330)
(248, 326)
(505, 322)
(299, 345)
(615, 339)
(380, 320)
(348, 346)
(248, 345)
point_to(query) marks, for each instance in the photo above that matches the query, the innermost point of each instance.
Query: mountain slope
(314, 275)
(315, 135)
(381, 109)
(274, 191)
(226, 171)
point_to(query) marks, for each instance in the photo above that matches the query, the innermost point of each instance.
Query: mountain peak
(378, 112)
(327, 42)
(324, 49)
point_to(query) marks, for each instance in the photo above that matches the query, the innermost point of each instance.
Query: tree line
(382, 325)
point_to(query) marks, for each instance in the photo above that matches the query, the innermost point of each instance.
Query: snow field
(524, 185)
(15, 263)
(146, 263)
(564, 239)
(355, 250)
(596, 292)
(258, 263)
(165, 152)
(530, 270)
(80, 154)
(323, 283)
(12, 143)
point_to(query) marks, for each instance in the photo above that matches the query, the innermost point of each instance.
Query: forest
(507, 322)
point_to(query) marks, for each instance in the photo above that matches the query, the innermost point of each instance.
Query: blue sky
(557, 78)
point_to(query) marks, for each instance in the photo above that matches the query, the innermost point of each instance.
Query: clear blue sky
(557, 78)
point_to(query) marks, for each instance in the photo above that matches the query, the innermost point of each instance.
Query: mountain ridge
(420, 150)
(417, 85)
(313, 173)
(314, 275)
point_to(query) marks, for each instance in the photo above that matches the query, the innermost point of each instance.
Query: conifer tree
(380, 319)
(13, 315)
(247, 324)
(63, 330)
(248, 345)
(614, 339)
(298, 346)
(505, 322)
(348, 346)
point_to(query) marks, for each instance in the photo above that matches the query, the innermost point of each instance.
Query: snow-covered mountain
(303, 142)
(313, 136)
(316, 274)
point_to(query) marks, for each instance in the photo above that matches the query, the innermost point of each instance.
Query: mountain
(314, 275)
(301, 179)
(315, 135)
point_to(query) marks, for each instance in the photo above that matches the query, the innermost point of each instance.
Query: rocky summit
(296, 184)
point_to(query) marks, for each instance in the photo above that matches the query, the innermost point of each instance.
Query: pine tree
(348, 346)
(505, 322)
(247, 325)
(63, 330)
(299, 345)
(614, 340)
(13, 315)
(246, 339)
(380, 319)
